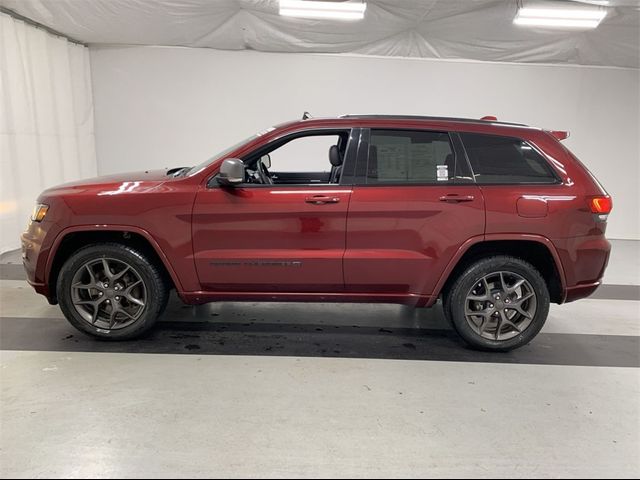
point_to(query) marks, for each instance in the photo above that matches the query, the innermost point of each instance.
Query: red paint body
(375, 243)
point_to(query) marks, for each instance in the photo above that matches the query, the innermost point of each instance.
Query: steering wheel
(265, 178)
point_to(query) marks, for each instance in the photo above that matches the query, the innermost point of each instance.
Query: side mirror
(231, 172)
(266, 160)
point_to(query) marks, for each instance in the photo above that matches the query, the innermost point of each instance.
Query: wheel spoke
(120, 274)
(506, 321)
(499, 326)
(485, 321)
(124, 312)
(135, 300)
(130, 287)
(93, 303)
(83, 286)
(521, 300)
(479, 298)
(107, 270)
(487, 290)
(112, 316)
(516, 285)
(503, 284)
(94, 314)
(521, 311)
(92, 275)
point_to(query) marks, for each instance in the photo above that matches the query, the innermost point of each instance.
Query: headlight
(39, 212)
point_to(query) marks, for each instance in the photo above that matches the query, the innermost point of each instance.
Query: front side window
(304, 154)
(315, 157)
(505, 160)
(401, 156)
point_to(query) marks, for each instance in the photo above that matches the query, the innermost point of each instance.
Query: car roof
(484, 125)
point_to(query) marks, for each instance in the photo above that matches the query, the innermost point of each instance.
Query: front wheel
(111, 291)
(498, 303)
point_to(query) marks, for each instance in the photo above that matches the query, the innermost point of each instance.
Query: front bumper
(34, 257)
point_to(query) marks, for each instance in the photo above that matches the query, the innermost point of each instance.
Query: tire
(136, 296)
(478, 295)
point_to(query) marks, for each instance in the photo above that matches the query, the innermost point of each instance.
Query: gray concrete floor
(318, 390)
(129, 415)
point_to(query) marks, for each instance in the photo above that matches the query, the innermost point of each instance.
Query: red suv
(496, 219)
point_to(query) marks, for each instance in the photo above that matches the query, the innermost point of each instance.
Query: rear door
(414, 203)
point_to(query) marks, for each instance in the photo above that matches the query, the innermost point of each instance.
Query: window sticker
(393, 162)
(442, 173)
(422, 157)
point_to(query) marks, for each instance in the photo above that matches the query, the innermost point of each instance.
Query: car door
(283, 237)
(414, 203)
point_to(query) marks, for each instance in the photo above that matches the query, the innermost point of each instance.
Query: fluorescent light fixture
(316, 9)
(560, 17)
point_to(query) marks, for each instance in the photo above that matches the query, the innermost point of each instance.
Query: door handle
(455, 198)
(321, 199)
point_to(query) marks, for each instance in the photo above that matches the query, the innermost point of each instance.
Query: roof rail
(424, 117)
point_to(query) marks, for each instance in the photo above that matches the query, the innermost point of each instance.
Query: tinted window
(496, 159)
(397, 156)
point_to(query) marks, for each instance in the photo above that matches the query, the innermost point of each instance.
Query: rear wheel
(111, 291)
(498, 303)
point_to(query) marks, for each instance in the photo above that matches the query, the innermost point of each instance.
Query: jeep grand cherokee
(496, 219)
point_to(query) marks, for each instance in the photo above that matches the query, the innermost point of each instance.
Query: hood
(121, 182)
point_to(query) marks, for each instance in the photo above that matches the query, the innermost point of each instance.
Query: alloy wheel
(500, 306)
(108, 293)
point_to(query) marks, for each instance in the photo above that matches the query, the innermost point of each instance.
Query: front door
(272, 236)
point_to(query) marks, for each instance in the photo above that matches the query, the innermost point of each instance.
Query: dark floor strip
(210, 338)
(605, 292)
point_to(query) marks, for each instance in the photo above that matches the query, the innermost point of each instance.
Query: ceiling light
(316, 9)
(560, 17)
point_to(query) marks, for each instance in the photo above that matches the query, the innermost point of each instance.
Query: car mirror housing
(231, 172)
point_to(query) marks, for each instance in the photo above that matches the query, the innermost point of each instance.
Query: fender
(496, 237)
(117, 228)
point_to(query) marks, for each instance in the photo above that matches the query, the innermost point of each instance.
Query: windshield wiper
(178, 171)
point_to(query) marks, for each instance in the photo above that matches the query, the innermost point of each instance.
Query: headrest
(372, 165)
(334, 156)
(449, 160)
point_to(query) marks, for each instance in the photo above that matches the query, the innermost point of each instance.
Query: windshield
(220, 155)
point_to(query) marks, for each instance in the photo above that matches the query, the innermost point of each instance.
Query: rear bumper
(581, 291)
(584, 260)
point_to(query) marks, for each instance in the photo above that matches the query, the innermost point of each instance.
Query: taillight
(601, 206)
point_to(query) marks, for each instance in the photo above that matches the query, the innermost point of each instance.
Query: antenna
(306, 116)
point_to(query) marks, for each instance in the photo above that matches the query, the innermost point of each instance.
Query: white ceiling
(452, 29)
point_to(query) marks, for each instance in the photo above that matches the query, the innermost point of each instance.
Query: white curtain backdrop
(46, 120)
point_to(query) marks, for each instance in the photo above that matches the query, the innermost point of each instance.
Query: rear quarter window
(506, 160)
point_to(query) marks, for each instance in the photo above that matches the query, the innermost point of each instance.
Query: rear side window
(401, 156)
(505, 160)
